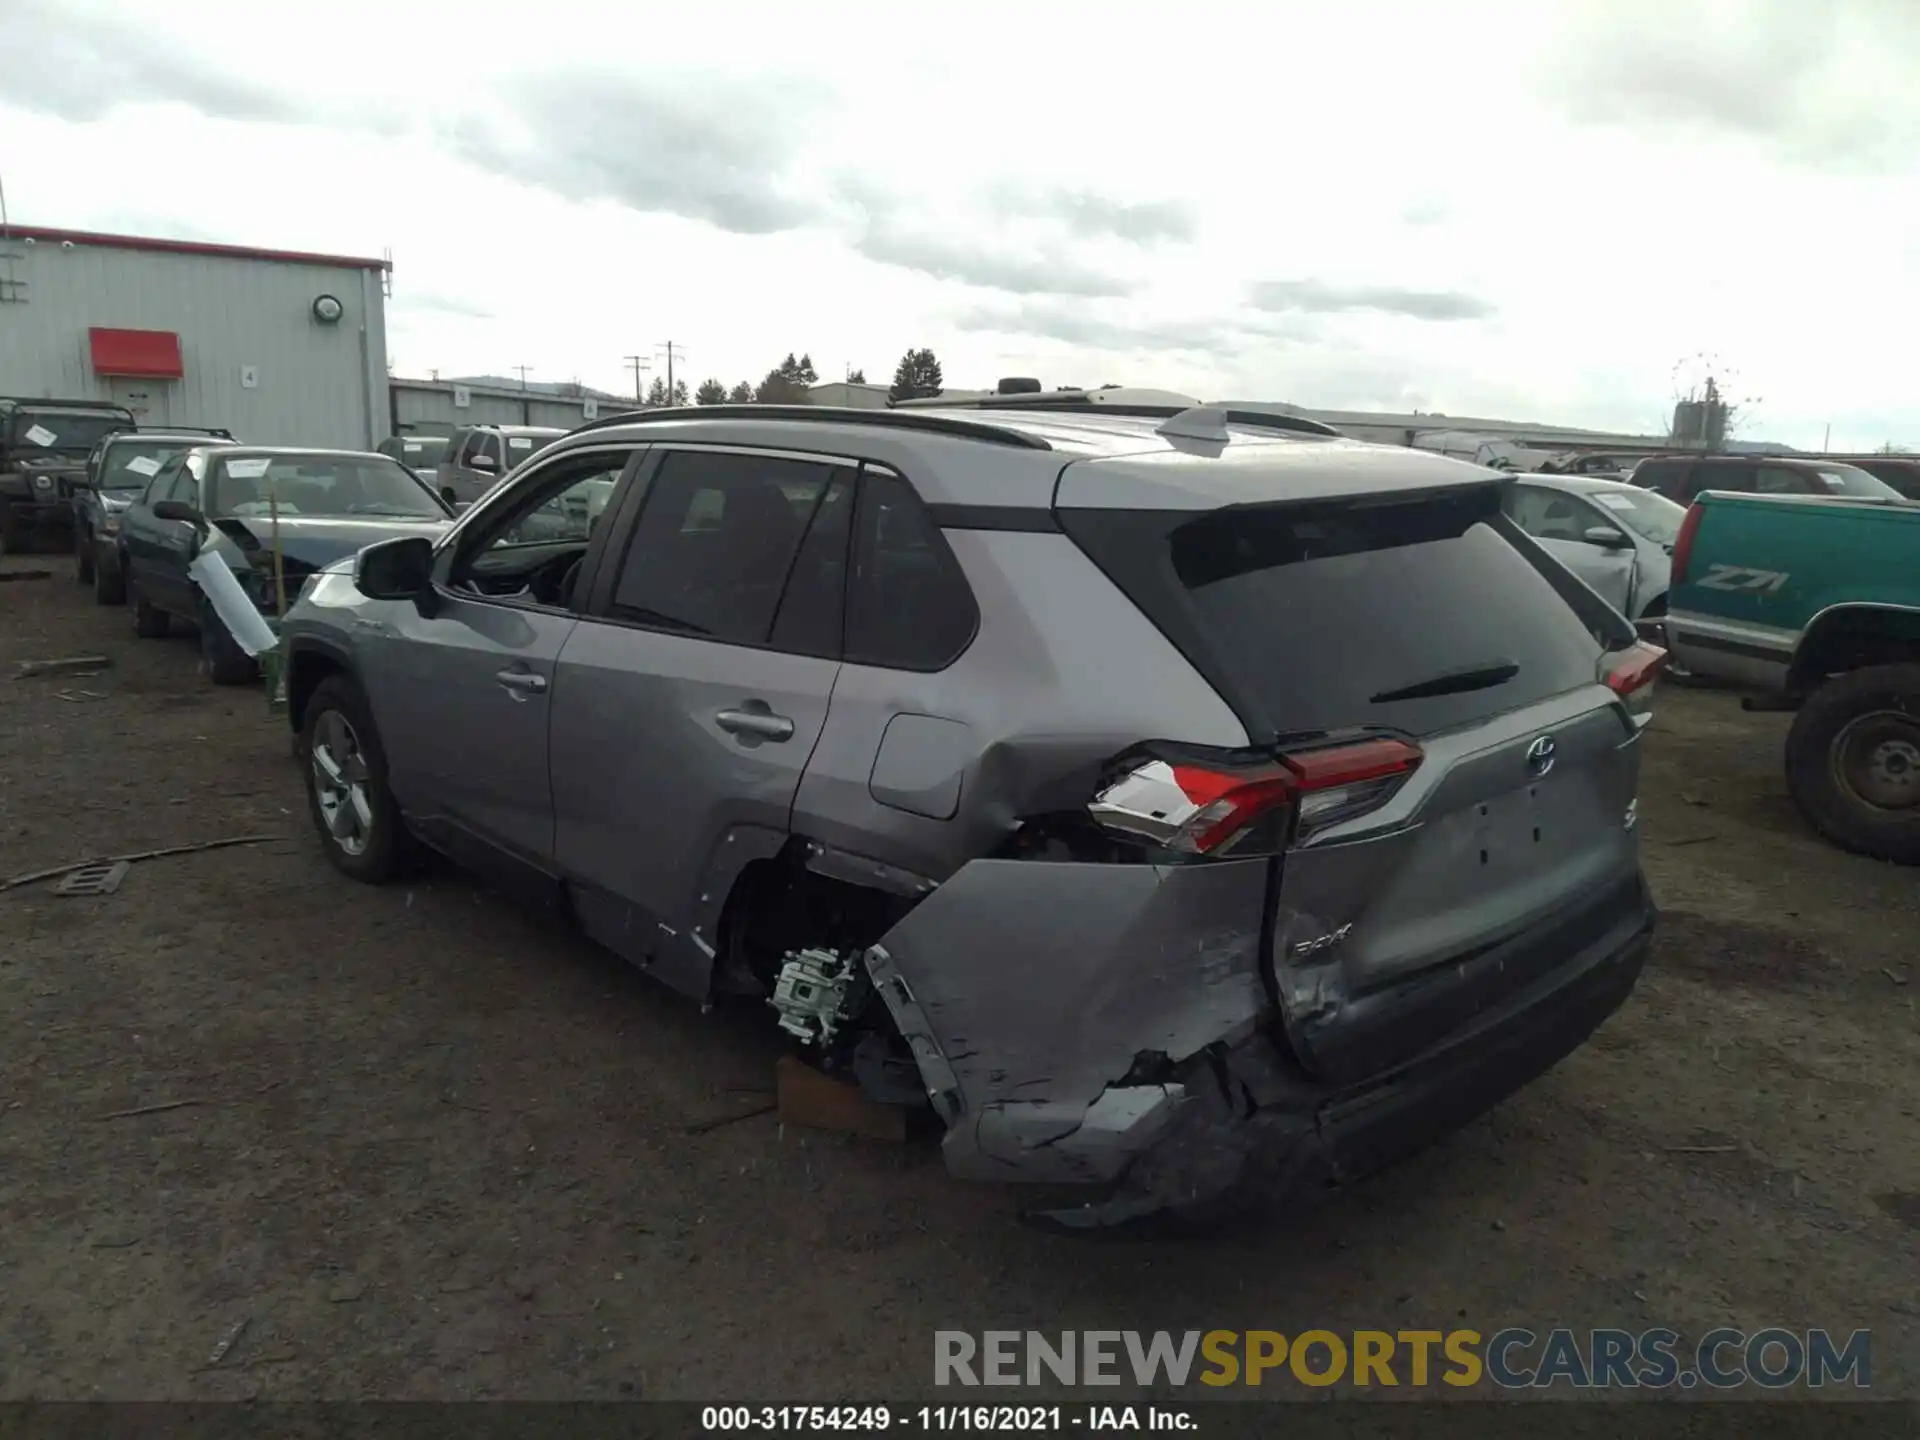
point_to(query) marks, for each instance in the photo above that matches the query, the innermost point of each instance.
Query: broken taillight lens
(1632, 674)
(1206, 809)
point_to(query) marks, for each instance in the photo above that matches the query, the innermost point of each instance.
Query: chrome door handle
(523, 681)
(762, 723)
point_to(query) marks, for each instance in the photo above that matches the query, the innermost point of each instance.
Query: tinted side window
(716, 541)
(1663, 476)
(1720, 476)
(908, 603)
(811, 618)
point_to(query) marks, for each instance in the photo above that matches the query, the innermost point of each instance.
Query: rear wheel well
(1854, 639)
(778, 905)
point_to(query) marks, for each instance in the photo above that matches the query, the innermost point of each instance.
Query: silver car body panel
(1629, 580)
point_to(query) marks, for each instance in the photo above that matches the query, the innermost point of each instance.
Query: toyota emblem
(1540, 756)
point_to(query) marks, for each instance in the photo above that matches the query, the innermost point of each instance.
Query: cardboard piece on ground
(806, 1097)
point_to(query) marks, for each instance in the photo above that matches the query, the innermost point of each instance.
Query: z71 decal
(1741, 577)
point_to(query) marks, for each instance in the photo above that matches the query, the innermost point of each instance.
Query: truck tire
(1853, 762)
(15, 536)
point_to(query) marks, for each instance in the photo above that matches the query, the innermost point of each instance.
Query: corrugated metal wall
(428, 405)
(313, 384)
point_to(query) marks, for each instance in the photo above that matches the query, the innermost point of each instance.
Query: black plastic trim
(1023, 519)
(826, 415)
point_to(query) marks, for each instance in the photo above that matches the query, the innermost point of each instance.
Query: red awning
(147, 354)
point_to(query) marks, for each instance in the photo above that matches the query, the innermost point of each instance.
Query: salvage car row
(1183, 806)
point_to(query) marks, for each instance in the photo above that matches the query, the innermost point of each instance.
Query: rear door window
(716, 541)
(812, 610)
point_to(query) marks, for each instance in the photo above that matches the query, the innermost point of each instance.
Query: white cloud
(1493, 207)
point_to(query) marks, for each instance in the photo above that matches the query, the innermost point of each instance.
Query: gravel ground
(438, 1149)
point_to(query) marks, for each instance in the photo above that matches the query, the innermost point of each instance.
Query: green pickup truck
(1812, 604)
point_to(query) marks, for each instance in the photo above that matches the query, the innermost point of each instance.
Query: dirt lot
(441, 1150)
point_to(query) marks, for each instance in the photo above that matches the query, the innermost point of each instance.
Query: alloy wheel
(342, 783)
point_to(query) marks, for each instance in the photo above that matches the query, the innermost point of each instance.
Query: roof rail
(166, 430)
(1078, 402)
(33, 403)
(829, 415)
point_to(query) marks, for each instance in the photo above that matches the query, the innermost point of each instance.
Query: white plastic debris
(250, 632)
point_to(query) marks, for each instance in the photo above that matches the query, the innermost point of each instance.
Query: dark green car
(251, 504)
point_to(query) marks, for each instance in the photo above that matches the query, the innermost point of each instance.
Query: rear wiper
(1454, 682)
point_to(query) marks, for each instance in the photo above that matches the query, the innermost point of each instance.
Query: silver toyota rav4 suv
(1188, 806)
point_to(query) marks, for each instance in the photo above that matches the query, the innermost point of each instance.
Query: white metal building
(280, 347)
(432, 406)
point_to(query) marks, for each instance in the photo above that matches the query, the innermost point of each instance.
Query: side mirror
(399, 569)
(1607, 538)
(481, 462)
(178, 510)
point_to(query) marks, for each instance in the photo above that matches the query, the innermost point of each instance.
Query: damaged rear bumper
(1166, 1087)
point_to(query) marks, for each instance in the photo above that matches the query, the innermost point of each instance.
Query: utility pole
(637, 363)
(669, 349)
(523, 369)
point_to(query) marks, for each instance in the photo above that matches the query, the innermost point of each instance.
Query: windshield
(1644, 512)
(423, 452)
(519, 447)
(1850, 480)
(63, 429)
(333, 485)
(131, 465)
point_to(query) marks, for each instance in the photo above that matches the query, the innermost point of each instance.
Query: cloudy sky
(1555, 210)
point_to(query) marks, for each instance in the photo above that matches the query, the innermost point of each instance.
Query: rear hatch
(1496, 845)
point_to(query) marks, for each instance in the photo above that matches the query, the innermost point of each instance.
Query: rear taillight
(1683, 546)
(1206, 809)
(1632, 674)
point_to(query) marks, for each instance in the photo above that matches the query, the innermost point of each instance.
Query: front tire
(1853, 762)
(346, 777)
(109, 582)
(221, 657)
(149, 621)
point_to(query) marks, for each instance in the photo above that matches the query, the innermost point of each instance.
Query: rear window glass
(1418, 616)
(1851, 480)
